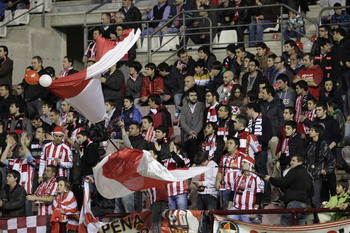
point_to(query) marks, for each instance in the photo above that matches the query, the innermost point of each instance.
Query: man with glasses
(280, 66)
(251, 79)
(323, 32)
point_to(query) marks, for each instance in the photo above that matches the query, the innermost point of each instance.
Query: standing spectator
(294, 26)
(36, 94)
(90, 52)
(201, 76)
(228, 62)
(68, 69)
(298, 188)
(152, 83)
(6, 66)
(248, 191)
(303, 97)
(328, 60)
(210, 115)
(106, 29)
(331, 92)
(18, 123)
(281, 68)
(132, 14)
(312, 74)
(56, 153)
(133, 139)
(228, 171)
(130, 114)
(251, 79)
(13, 196)
(6, 99)
(286, 93)
(260, 18)
(215, 75)
(319, 162)
(224, 90)
(212, 145)
(324, 31)
(290, 48)
(271, 70)
(191, 122)
(225, 124)
(113, 85)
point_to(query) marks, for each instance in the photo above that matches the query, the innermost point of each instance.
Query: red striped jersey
(46, 189)
(246, 188)
(229, 173)
(180, 187)
(248, 143)
(26, 169)
(50, 153)
(157, 194)
(69, 205)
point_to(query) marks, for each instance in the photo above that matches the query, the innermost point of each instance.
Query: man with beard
(212, 144)
(251, 79)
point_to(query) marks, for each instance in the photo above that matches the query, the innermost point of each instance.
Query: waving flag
(130, 170)
(35, 224)
(83, 90)
(87, 221)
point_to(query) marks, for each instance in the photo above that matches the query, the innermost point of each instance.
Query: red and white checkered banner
(30, 224)
(173, 221)
(225, 225)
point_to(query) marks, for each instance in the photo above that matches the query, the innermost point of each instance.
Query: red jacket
(152, 87)
(315, 73)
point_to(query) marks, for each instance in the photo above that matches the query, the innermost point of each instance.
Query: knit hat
(231, 48)
(58, 130)
(249, 159)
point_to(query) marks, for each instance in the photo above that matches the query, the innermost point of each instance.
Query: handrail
(330, 8)
(27, 12)
(181, 16)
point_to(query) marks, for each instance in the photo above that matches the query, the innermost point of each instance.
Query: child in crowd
(340, 17)
(294, 27)
(338, 199)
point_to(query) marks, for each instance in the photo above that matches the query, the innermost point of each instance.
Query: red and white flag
(83, 90)
(34, 224)
(87, 221)
(130, 170)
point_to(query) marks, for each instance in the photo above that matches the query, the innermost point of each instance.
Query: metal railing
(151, 51)
(331, 8)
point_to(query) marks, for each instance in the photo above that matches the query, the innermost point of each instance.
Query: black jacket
(274, 111)
(297, 184)
(259, 78)
(89, 158)
(297, 146)
(13, 203)
(138, 142)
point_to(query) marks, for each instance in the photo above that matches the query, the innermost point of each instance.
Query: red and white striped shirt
(180, 187)
(69, 205)
(248, 143)
(246, 188)
(26, 169)
(157, 194)
(50, 153)
(229, 173)
(311, 115)
(46, 189)
(149, 135)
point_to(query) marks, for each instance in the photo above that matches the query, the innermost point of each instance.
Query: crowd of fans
(255, 119)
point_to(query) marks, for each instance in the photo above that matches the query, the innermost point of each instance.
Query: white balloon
(45, 80)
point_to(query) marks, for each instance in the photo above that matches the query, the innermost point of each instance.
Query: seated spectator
(12, 203)
(132, 14)
(260, 18)
(213, 145)
(290, 48)
(177, 25)
(224, 17)
(46, 109)
(216, 76)
(135, 81)
(6, 99)
(228, 62)
(185, 63)
(111, 118)
(160, 114)
(173, 84)
(262, 54)
(18, 123)
(336, 201)
(152, 83)
(147, 129)
(201, 76)
(68, 69)
(294, 26)
(237, 101)
(200, 31)
(160, 11)
(130, 114)
(224, 89)
(296, 63)
(340, 17)
(330, 91)
(208, 57)
(324, 31)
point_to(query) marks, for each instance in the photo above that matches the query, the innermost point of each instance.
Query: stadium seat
(34, 3)
(275, 28)
(170, 41)
(24, 19)
(144, 45)
(226, 37)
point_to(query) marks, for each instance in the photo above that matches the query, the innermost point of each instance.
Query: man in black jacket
(298, 188)
(134, 139)
(13, 196)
